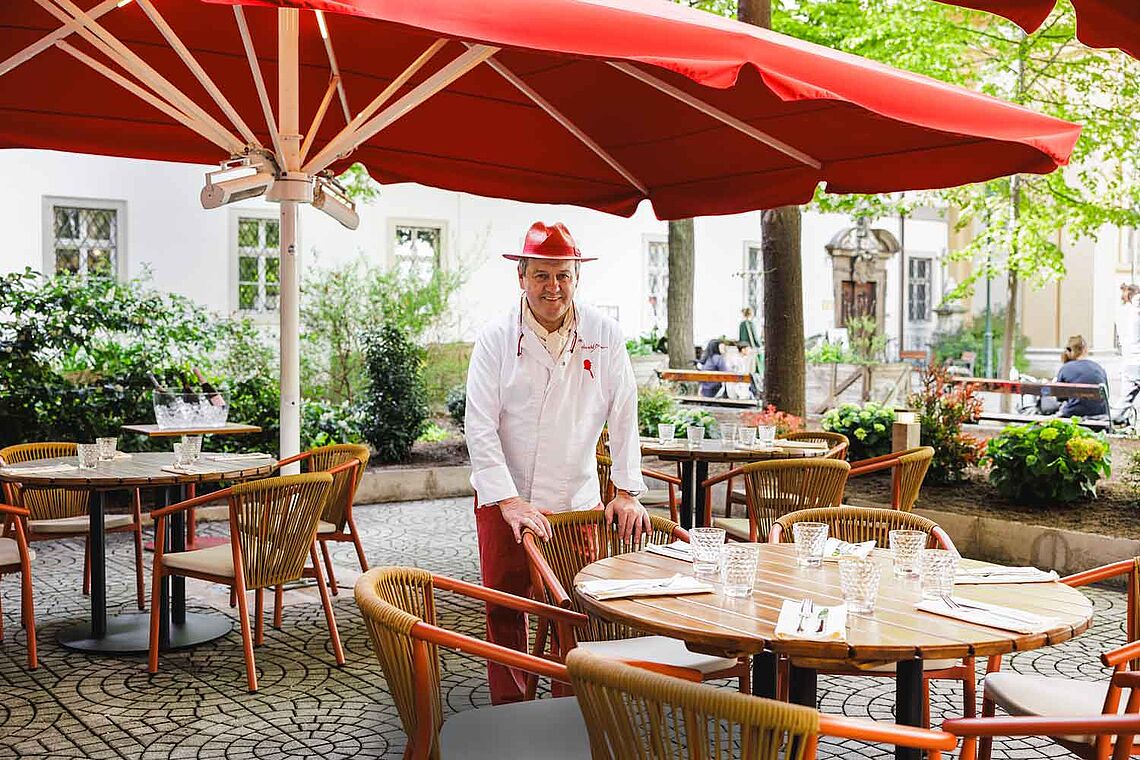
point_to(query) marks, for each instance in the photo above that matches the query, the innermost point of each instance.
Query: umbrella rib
(323, 26)
(160, 104)
(568, 125)
(319, 116)
(716, 113)
(203, 78)
(69, 27)
(346, 134)
(258, 81)
(438, 81)
(119, 53)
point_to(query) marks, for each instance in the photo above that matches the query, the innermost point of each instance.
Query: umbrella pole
(289, 304)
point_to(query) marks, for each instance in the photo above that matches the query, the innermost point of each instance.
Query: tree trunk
(679, 300)
(783, 281)
(1012, 326)
(783, 310)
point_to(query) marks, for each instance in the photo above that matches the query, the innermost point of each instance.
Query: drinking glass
(706, 545)
(810, 538)
(728, 433)
(181, 455)
(192, 447)
(738, 569)
(859, 583)
(906, 548)
(939, 567)
(766, 435)
(695, 434)
(88, 454)
(665, 432)
(107, 447)
(746, 436)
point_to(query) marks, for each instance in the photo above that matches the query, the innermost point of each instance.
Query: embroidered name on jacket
(591, 346)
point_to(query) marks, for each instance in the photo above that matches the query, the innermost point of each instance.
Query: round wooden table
(131, 632)
(695, 466)
(894, 632)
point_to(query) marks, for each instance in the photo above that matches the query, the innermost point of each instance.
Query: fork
(806, 609)
(955, 604)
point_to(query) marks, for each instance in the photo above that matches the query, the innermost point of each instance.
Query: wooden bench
(709, 376)
(735, 403)
(1086, 391)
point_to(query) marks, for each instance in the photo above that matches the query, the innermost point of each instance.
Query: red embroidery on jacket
(588, 367)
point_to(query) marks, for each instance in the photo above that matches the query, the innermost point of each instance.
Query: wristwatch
(626, 491)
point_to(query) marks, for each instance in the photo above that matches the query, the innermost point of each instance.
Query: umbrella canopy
(598, 103)
(595, 103)
(1100, 23)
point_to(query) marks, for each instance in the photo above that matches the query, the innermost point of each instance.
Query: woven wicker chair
(605, 485)
(777, 487)
(855, 524)
(908, 470)
(273, 527)
(399, 610)
(634, 713)
(16, 557)
(57, 513)
(672, 482)
(837, 445)
(346, 463)
(580, 538)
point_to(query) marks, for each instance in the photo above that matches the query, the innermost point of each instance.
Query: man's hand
(632, 518)
(520, 513)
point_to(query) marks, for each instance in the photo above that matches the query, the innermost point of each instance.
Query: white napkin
(186, 469)
(982, 575)
(785, 443)
(992, 615)
(43, 469)
(834, 621)
(834, 549)
(222, 457)
(676, 550)
(624, 589)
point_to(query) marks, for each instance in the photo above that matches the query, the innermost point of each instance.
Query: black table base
(130, 634)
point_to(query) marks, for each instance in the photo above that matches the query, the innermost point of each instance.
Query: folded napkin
(784, 443)
(676, 550)
(834, 549)
(185, 469)
(624, 589)
(43, 469)
(221, 457)
(833, 619)
(991, 615)
(982, 575)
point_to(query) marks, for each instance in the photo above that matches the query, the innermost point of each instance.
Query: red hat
(553, 242)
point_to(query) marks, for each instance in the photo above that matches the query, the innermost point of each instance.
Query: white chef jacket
(532, 423)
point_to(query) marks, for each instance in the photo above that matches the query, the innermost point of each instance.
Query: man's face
(549, 288)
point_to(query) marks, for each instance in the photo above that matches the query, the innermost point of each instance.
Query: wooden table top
(141, 470)
(716, 624)
(716, 450)
(154, 431)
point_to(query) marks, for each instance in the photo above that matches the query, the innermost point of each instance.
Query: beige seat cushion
(654, 498)
(552, 729)
(1019, 694)
(10, 552)
(325, 527)
(217, 560)
(660, 649)
(735, 527)
(77, 524)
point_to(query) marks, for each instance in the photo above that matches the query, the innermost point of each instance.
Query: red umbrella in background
(598, 103)
(1100, 23)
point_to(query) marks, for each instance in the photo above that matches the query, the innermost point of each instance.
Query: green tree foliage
(395, 408)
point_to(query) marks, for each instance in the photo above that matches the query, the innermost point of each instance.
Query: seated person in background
(1075, 368)
(712, 361)
(738, 358)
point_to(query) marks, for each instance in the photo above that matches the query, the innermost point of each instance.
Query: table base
(130, 634)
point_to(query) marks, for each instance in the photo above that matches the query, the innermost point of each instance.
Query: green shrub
(1054, 462)
(826, 352)
(395, 406)
(868, 345)
(943, 407)
(655, 406)
(445, 366)
(433, 433)
(647, 344)
(324, 423)
(868, 427)
(973, 338)
(688, 416)
(457, 405)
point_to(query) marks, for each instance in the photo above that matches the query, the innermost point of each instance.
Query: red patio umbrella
(599, 103)
(1100, 23)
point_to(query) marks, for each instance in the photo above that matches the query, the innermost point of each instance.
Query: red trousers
(503, 565)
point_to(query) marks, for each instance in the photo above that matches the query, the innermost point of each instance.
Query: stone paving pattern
(80, 706)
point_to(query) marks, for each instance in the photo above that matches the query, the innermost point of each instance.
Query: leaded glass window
(418, 250)
(259, 264)
(85, 240)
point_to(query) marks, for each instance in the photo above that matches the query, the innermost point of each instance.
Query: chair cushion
(736, 527)
(325, 527)
(1044, 696)
(10, 552)
(217, 560)
(78, 524)
(654, 497)
(662, 649)
(738, 496)
(552, 729)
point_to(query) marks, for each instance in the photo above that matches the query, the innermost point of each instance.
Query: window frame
(443, 264)
(746, 274)
(661, 321)
(236, 215)
(48, 206)
(910, 284)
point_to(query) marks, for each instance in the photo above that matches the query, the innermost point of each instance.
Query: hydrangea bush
(868, 427)
(1057, 461)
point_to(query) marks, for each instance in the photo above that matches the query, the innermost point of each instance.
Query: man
(544, 379)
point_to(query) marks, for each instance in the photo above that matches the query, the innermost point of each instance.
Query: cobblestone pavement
(79, 706)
